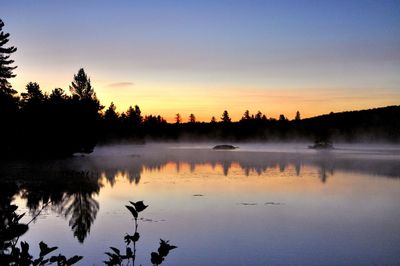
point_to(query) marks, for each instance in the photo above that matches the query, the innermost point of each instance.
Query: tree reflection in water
(69, 193)
(81, 210)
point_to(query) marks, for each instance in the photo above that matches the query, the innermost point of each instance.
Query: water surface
(259, 205)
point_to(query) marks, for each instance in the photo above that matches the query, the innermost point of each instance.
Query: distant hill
(377, 124)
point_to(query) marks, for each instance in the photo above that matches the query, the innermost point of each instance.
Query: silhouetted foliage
(10, 254)
(116, 257)
(158, 257)
(51, 125)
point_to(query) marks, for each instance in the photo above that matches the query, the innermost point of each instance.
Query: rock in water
(225, 147)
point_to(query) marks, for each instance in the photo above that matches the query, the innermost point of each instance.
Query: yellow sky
(207, 100)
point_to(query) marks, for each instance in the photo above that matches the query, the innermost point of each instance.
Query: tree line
(61, 123)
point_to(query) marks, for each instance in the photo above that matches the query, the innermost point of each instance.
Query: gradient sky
(203, 57)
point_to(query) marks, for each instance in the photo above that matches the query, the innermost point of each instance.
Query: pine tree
(34, 93)
(81, 87)
(178, 118)
(225, 117)
(246, 116)
(297, 117)
(192, 118)
(110, 114)
(9, 132)
(6, 70)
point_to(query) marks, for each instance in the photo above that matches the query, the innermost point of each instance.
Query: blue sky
(203, 57)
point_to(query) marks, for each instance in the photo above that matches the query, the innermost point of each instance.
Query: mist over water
(260, 204)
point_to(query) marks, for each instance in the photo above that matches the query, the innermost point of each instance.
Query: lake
(262, 204)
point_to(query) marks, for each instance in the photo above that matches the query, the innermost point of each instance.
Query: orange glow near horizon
(205, 100)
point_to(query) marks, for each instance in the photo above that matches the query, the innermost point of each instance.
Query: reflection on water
(69, 192)
(266, 207)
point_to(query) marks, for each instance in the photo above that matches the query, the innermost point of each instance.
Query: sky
(204, 57)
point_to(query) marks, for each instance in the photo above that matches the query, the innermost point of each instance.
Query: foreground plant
(117, 258)
(10, 232)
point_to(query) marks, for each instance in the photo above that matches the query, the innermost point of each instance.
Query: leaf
(115, 250)
(44, 249)
(132, 210)
(43, 262)
(135, 237)
(131, 238)
(139, 205)
(109, 254)
(129, 252)
(15, 230)
(19, 217)
(165, 247)
(53, 259)
(61, 259)
(74, 260)
(37, 261)
(156, 258)
(24, 247)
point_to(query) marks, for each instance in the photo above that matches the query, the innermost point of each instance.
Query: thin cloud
(120, 84)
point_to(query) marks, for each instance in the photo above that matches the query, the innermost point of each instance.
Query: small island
(225, 147)
(322, 145)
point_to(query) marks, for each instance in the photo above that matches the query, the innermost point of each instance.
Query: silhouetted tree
(178, 118)
(192, 118)
(33, 94)
(297, 117)
(213, 120)
(258, 116)
(282, 118)
(85, 113)
(134, 116)
(81, 86)
(225, 117)
(246, 116)
(110, 114)
(57, 95)
(6, 70)
(8, 98)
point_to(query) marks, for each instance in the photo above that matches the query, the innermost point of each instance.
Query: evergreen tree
(33, 94)
(297, 117)
(110, 115)
(258, 115)
(134, 116)
(84, 113)
(178, 118)
(6, 70)
(225, 117)
(282, 118)
(57, 95)
(192, 118)
(9, 132)
(81, 87)
(246, 116)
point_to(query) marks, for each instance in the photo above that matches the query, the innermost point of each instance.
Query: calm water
(259, 205)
